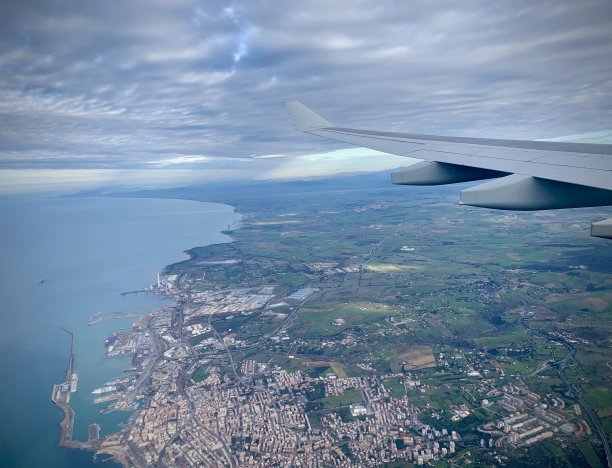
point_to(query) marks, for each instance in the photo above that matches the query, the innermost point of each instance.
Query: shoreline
(114, 446)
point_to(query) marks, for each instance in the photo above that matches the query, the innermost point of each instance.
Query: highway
(577, 392)
(571, 387)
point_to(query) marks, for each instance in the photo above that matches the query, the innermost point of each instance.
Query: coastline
(180, 402)
(114, 447)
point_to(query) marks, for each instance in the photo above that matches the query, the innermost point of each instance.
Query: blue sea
(88, 251)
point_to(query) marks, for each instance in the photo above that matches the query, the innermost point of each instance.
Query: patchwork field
(415, 357)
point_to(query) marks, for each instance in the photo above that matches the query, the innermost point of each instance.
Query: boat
(74, 380)
(121, 381)
(105, 389)
(110, 340)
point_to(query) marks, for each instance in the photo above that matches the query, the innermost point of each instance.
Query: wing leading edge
(530, 175)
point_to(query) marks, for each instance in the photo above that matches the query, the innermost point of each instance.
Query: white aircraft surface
(530, 175)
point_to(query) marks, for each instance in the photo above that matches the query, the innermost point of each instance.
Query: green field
(333, 319)
(349, 397)
(481, 287)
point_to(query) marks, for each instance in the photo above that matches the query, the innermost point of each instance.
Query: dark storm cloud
(141, 83)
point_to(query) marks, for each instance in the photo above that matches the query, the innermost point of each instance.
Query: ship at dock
(109, 341)
(105, 389)
(120, 381)
(74, 380)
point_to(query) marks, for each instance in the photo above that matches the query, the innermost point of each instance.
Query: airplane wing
(530, 175)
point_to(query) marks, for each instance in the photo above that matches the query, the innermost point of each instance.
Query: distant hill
(241, 192)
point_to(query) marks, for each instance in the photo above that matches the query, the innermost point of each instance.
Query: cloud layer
(199, 84)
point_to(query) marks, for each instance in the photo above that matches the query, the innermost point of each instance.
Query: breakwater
(60, 395)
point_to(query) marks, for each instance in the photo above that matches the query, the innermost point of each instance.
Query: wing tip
(303, 118)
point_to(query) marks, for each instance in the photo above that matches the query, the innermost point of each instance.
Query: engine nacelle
(437, 173)
(520, 192)
(602, 229)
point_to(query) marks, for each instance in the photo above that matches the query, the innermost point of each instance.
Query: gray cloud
(199, 84)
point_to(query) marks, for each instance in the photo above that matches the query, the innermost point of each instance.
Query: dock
(101, 317)
(94, 434)
(145, 290)
(105, 398)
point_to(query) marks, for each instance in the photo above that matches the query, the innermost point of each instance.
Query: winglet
(303, 118)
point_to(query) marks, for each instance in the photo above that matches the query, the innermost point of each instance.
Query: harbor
(60, 396)
(72, 235)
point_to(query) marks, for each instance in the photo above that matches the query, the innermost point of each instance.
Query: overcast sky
(150, 93)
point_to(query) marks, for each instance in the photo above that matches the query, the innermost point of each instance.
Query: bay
(87, 251)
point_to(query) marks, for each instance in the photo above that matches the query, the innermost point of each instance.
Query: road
(577, 392)
(571, 387)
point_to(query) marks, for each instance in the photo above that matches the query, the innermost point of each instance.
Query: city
(360, 357)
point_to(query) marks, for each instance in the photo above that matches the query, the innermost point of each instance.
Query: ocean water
(88, 250)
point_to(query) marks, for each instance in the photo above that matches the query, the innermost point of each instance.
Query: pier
(94, 434)
(145, 290)
(105, 398)
(61, 397)
(101, 317)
